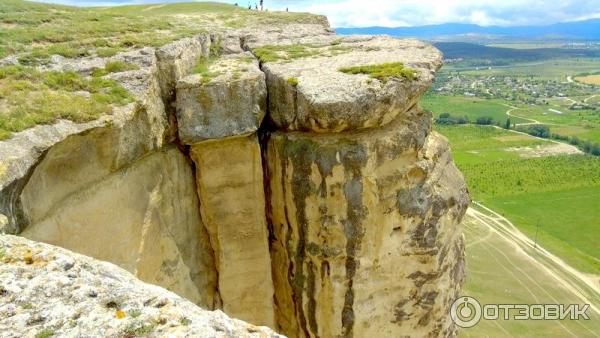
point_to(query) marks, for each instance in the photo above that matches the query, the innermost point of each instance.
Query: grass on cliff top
(114, 67)
(29, 97)
(383, 72)
(203, 68)
(274, 53)
(35, 31)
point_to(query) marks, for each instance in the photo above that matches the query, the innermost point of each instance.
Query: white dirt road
(583, 286)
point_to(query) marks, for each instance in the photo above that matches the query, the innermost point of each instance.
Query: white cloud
(356, 13)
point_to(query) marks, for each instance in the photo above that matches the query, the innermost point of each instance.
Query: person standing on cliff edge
(262, 5)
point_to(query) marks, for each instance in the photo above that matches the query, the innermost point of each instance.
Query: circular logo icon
(466, 312)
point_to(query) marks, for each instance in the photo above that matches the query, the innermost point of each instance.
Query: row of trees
(538, 130)
(448, 119)
(544, 132)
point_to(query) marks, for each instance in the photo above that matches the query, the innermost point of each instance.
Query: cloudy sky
(392, 13)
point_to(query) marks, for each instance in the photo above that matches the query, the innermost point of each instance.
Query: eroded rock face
(49, 290)
(366, 228)
(144, 218)
(327, 100)
(89, 150)
(285, 192)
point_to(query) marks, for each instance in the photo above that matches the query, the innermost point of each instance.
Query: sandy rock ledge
(46, 289)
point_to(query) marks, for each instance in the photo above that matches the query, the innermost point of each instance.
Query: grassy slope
(562, 192)
(36, 31)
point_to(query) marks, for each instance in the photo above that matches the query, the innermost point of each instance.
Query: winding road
(513, 108)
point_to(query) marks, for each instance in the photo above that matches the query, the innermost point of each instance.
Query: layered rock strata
(282, 190)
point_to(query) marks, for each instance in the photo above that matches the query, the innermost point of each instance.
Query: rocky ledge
(48, 291)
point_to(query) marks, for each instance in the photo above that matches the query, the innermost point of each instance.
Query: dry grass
(589, 79)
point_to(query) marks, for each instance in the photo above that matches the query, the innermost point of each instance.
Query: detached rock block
(227, 99)
(232, 202)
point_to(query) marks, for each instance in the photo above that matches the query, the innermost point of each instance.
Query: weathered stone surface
(366, 235)
(50, 290)
(177, 59)
(144, 218)
(290, 33)
(327, 100)
(229, 100)
(230, 185)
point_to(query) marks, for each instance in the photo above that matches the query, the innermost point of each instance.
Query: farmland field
(471, 107)
(589, 79)
(556, 69)
(560, 193)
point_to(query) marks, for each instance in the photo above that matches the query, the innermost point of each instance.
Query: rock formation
(47, 291)
(257, 174)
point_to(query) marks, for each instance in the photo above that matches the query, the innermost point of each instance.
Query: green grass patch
(32, 97)
(383, 72)
(115, 67)
(568, 221)
(471, 107)
(45, 333)
(273, 53)
(203, 68)
(474, 145)
(499, 274)
(292, 81)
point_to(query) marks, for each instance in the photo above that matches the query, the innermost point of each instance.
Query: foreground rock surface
(51, 291)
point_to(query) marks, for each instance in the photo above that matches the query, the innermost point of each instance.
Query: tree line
(538, 130)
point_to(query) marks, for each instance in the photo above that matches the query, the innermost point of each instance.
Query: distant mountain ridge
(588, 30)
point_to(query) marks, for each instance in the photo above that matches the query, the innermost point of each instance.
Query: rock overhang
(310, 93)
